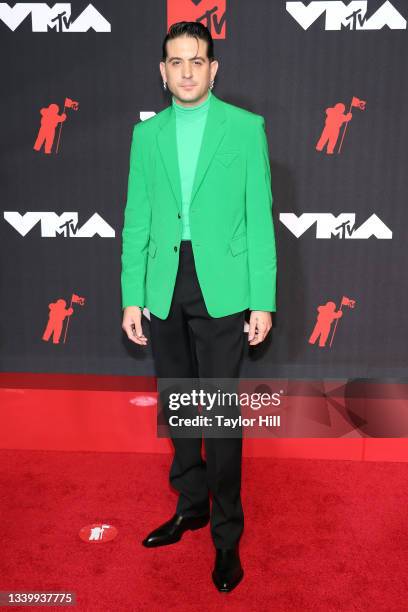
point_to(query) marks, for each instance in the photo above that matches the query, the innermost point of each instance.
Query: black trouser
(190, 343)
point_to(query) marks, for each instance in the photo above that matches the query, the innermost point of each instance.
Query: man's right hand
(132, 325)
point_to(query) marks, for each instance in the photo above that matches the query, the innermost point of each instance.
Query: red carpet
(319, 535)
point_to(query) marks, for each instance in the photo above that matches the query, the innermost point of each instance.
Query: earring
(211, 84)
(164, 85)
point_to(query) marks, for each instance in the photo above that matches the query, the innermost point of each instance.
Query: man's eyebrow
(191, 58)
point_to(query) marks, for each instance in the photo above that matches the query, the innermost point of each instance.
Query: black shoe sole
(195, 524)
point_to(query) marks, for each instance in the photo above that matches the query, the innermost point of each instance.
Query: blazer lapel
(213, 134)
(167, 144)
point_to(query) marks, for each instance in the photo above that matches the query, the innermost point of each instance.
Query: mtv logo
(341, 226)
(211, 13)
(55, 18)
(64, 224)
(351, 15)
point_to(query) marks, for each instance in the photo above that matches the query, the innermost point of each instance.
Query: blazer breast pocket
(226, 158)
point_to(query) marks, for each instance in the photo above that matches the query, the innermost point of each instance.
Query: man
(198, 251)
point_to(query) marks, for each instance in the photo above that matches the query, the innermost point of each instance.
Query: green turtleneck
(190, 123)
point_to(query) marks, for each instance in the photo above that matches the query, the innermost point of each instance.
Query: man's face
(187, 69)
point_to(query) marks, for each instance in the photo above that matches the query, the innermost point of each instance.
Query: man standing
(198, 250)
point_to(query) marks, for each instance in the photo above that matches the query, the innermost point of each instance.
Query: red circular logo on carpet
(98, 532)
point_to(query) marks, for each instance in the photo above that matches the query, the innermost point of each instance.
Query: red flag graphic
(345, 301)
(76, 299)
(359, 103)
(71, 104)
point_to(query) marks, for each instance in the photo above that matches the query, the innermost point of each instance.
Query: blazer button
(179, 216)
(175, 248)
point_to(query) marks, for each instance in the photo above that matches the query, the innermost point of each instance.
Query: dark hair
(189, 28)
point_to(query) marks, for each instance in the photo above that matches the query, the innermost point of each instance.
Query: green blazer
(231, 225)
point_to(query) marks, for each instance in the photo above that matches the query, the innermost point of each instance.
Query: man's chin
(188, 94)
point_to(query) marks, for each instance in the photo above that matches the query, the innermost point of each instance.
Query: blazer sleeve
(262, 260)
(136, 227)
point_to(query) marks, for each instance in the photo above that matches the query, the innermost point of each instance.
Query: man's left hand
(260, 323)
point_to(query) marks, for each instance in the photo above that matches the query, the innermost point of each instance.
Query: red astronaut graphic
(335, 118)
(58, 312)
(50, 119)
(327, 313)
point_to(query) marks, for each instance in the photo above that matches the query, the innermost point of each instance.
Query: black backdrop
(270, 65)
